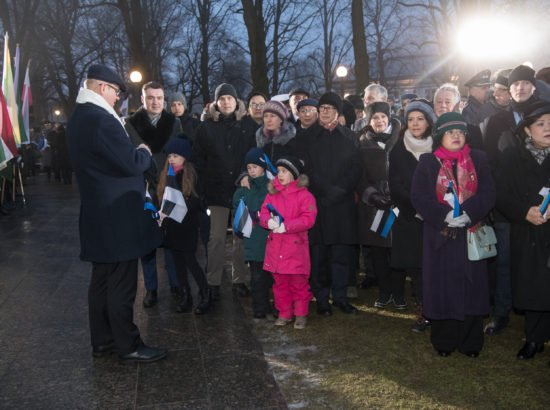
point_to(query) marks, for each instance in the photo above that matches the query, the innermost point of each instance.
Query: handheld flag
(275, 214)
(243, 222)
(7, 89)
(386, 216)
(271, 171)
(26, 102)
(545, 192)
(452, 199)
(149, 206)
(173, 203)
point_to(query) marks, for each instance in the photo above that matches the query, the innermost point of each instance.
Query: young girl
(292, 213)
(181, 237)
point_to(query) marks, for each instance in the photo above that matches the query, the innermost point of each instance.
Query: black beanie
(378, 106)
(294, 165)
(522, 72)
(225, 89)
(333, 99)
(349, 113)
(255, 156)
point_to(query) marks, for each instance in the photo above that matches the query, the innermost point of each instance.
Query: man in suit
(114, 228)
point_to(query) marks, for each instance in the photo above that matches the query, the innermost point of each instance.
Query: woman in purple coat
(455, 289)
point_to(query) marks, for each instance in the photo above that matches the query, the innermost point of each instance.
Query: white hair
(382, 92)
(451, 88)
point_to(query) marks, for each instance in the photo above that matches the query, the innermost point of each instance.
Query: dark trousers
(188, 260)
(329, 271)
(111, 297)
(416, 279)
(503, 274)
(537, 326)
(466, 336)
(390, 281)
(260, 282)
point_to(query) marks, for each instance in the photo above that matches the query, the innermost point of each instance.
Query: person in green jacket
(254, 246)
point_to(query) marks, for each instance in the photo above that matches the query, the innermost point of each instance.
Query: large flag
(7, 89)
(173, 203)
(26, 102)
(16, 73)
(8, 148)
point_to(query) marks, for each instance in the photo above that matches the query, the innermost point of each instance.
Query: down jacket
(288, 253)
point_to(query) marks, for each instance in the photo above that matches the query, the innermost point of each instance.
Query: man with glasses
(256, 103)
(295, 96)
(152, 125)
(114, 229)
(307, 113)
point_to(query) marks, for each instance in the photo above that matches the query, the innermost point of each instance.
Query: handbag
(481, 240)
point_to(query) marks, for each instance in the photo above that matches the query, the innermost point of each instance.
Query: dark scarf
(539, 154)
(155, 137)
(522, 106)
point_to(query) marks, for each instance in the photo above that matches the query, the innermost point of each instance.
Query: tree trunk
(255, 26)
(362, 77)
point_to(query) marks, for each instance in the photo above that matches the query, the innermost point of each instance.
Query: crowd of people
(313, 188)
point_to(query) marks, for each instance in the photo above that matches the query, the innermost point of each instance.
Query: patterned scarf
(466, 174)
(539, 154)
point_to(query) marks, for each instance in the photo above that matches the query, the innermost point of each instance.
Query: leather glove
(280, 228)
(272, 224)
(380, 201)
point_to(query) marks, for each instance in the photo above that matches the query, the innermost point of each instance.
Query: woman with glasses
(455, 289)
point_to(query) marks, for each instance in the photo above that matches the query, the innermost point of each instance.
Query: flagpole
(13, 182)
(3, 190)
(21, 184)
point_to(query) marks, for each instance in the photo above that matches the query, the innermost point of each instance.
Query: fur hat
(424, 106)
(176, 97)
(294, 165)
(378, 106)
(277, 108)
(255, 156)
(225, 89)
(331, 98)
(178, 146)
(522, 72)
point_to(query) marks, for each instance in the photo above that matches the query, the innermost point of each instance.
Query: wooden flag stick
(13, 182)
(21, 184)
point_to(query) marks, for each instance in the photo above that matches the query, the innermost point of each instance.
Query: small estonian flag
(149, 206)
(383, 221)
(173, 203)
(271, 171)
(545, 193)
(451, 198)
(242, 224)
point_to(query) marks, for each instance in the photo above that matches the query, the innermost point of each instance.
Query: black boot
(186, 302)
(150, 298)
(204, 302)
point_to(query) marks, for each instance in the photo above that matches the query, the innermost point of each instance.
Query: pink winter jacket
(288, 253)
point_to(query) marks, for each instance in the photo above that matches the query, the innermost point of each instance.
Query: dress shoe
(150, 298)
(496, 324)
(383, 302)
(259, 316)
(444, 353)
(205, 300)
(400, 305)
(186, 302)
(144, 354)
(472, 354)
(529, 350)
(324, 311)
(367, 283)
(241, 289)
(346, 307)
(103, 350)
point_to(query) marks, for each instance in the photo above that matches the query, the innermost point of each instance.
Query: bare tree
(361, 67)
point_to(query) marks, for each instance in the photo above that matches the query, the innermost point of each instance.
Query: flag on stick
(26, 102)
(7, 89)
(383, 221)
(452, 199)
(149, 206)
(243, 221)
(173, 203)
(6, 133)
(16, 72)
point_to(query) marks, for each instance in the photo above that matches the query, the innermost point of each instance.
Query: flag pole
(21, 184)
(13, 183)
(3, 191)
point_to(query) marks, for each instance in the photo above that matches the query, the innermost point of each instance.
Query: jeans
(149, 265)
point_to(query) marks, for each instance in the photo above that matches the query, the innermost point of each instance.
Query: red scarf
(177, 169)
(466, 174)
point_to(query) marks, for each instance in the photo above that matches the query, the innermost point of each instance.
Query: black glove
(380, 201)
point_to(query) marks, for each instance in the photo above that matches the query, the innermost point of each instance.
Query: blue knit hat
(178, 146)
(255, 156)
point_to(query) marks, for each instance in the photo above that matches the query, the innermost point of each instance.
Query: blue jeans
(149, 265)
(503, 280)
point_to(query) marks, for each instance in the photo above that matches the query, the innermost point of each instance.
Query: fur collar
(214, 114)
(286, 135)
(155, 137)
(367, 139)
(274, 186)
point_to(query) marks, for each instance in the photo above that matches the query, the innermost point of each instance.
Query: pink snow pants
(292, 295)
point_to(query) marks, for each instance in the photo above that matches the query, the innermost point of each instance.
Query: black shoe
(214, 292)
(346, 307)
(204, 302)
(259, 316)
(144, 354)
(496, 324)
(383, 302)
(241, 289)
(529, 350)
(472, 354)
(367, 283)
(150, 298)
(444, 353)
(401, 305)
(175, 291)
(103, 350)
(186, 302)
(420, 325)
(324, 311)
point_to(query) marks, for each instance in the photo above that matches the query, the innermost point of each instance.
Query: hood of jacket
(214, 114)
(155, 137)
(287, 133)
(275, 186)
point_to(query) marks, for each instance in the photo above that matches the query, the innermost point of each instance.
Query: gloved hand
(463, 219)
(280, 229)
(459, 222)
(272, 224)
(380, 201)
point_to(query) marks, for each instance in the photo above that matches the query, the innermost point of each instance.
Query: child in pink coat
(287, 249)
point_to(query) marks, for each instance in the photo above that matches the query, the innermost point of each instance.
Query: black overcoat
(519, 180)
(453, 286)
(109, 169)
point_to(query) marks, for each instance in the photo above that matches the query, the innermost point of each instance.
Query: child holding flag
(180, 213)
(254, 241)
(289, 211)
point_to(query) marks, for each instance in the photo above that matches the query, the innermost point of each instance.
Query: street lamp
(341, 73)
(57, 113)
(135, 79)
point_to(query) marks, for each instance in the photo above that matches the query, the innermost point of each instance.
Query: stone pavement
(214, 360)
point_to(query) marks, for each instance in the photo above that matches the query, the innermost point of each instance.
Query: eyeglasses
(254, 105)
(307, 110)
(452, 133)
(326, 108)
(117, 91)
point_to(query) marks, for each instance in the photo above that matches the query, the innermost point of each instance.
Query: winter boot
(204, 302)
(186, 302)
(421, 322)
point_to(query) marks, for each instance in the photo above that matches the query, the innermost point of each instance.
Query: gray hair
(382, 92)
(451, 88)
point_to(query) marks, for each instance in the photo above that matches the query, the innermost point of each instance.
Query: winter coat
(519, 181)
(333, 164)
(113, 225)
(453, 286)
(407, 229)
(219, 150)
(471, 111)
(375, 179)
(254, 247)
(189, 126)
(500, 135)
(282, 144)
(487, 110)
(183, 235)
(288, 253)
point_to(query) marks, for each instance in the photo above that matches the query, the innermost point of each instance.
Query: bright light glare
(341, 71)
(135, 76)
(493, 38)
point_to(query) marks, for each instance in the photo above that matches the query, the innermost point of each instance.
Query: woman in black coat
(406, 254)
(523, 181)
(455, 289)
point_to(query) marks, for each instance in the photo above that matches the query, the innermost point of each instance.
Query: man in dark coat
(478, 87)
(498, 101)
(333, 165)
(222, 142)
(177, 104)
(114, 229)
(152, 125)
(295, 96)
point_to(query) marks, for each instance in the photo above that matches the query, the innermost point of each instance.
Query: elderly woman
(377, 140)
(406, 255)
(523, 182)
(276, 135)
(455, 289)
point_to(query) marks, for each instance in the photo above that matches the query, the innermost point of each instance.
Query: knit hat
(308, 102)
(225, 89)
(298, 90)
(356, 100)
(449, 121)
(378, 106)
(277, 108)
(255, 156)
(331, 98)
(522, 72)
(424, 106)
(176, 97)
(294, 165)
(178, 146)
